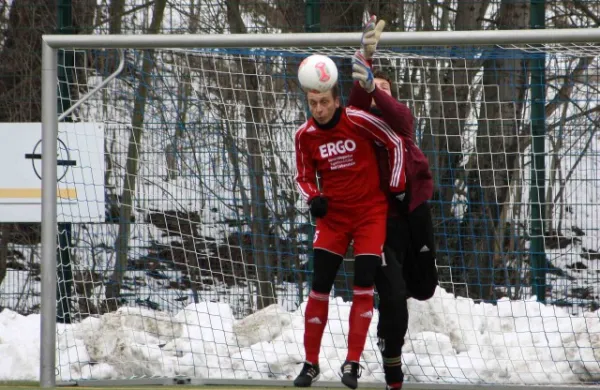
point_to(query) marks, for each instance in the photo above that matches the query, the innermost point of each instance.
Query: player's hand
(361, 72)
(370, 38)
(318, 206)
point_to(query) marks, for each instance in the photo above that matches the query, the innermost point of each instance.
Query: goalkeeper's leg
(393, 311)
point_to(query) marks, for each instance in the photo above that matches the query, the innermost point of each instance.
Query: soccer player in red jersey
(409, 248)
(348, 204)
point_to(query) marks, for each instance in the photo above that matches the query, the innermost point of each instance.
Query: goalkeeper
(338, 144)
(409, 248)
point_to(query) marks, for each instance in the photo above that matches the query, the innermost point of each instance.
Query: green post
(538, 154)
(312, 21)
(66, 62)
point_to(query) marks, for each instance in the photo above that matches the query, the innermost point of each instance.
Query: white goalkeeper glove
(361, 72)
(370, 38)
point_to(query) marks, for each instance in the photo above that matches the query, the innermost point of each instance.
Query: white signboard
(80, 172)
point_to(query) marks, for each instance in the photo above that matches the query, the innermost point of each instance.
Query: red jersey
(400, 119)
(345, 159)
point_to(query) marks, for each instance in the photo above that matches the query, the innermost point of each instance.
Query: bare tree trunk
(448, 84)
(492, 169)
(84, 14)
(5, 231)
(448, 127)
(135, 145)
(21, 57)
(556, 142)
(259, 224)
(184, 91)
(115, 13)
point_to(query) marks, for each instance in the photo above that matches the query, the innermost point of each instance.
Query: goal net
(199, 263)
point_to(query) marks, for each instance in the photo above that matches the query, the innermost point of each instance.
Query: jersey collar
(333, 122)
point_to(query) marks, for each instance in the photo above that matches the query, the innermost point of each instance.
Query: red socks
(361, 313)
(315, 320)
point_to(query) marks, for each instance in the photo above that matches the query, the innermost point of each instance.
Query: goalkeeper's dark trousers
(393, 312)
(415, 240)
(409, 271)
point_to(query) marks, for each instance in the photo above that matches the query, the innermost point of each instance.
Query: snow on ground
(450, 340)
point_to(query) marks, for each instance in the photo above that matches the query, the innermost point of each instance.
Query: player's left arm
(395, 113)
(362, 63)
(378, 131)
(364, 83)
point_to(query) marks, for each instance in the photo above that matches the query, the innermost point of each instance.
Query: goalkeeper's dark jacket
(399, 117)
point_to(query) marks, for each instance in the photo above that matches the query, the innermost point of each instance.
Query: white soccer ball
(317, 73)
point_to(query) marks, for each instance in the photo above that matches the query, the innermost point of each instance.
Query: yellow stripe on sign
(35, 193)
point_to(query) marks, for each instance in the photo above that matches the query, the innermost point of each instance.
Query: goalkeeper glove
(371, 34)
(318, 206)
(361, 72)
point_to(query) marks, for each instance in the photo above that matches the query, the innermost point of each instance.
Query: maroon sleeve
(359, 98)
(395, 114)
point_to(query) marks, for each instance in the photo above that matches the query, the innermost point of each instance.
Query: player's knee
(365, 268)
(325, 267)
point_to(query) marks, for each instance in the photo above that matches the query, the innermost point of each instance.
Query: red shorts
(337, 229)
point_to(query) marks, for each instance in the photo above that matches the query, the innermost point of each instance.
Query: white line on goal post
(51, 44)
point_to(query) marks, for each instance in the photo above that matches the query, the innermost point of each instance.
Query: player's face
(383, 85)
(322, 106)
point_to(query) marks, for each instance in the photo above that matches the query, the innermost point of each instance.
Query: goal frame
(50, 118)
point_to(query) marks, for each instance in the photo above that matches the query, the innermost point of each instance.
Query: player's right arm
(306, 172)
(306, 175)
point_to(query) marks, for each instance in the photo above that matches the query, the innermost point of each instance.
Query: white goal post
(456, 371)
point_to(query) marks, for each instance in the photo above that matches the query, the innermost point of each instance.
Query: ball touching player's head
(317, 73)
(318, 76)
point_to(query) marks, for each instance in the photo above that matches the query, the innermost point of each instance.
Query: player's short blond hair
(335, 91)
